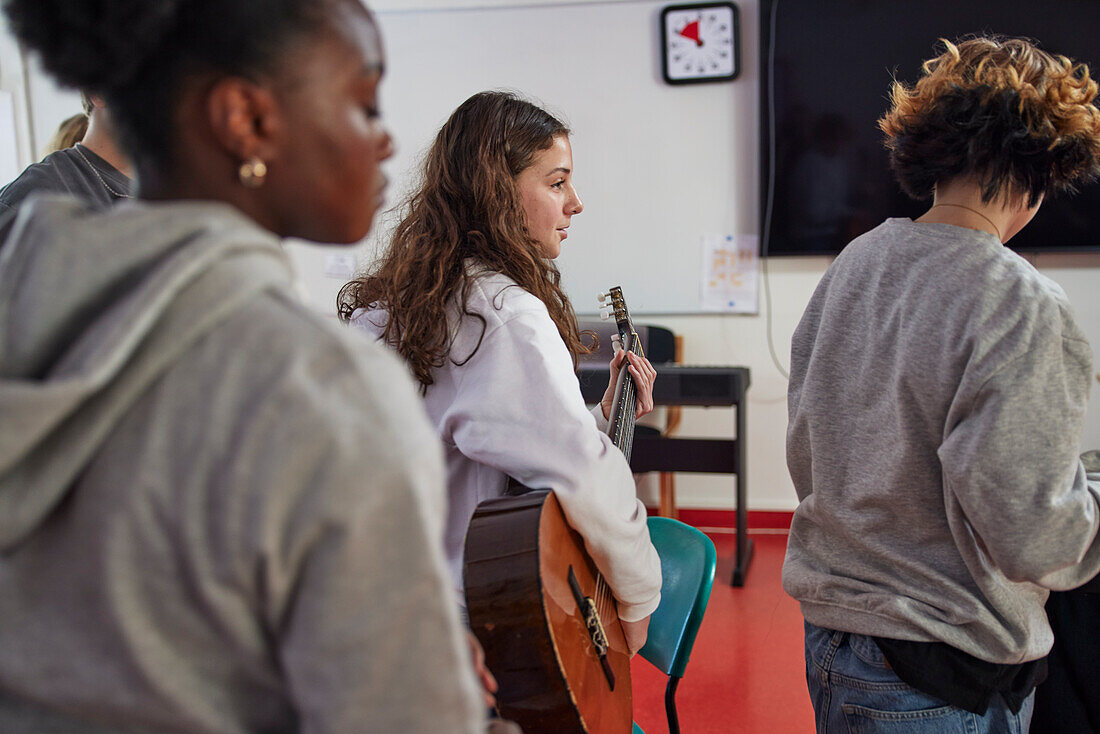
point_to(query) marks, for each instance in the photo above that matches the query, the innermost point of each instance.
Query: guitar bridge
(594, 625)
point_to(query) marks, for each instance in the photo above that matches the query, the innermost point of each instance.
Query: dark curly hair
(1021, 120)
(467, 206)
(137, 54)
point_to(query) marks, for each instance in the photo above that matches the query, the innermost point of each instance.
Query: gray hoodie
(937, 398)
(218, 511)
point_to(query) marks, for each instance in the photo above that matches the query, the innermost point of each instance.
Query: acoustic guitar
(538, 606)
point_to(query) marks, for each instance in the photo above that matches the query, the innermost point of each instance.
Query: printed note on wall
(730, 273)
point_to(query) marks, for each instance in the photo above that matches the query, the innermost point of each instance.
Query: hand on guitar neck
(643, 373)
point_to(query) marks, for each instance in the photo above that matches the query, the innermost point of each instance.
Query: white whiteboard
(657, 166)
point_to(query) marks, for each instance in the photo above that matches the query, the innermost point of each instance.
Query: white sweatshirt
(515, 409)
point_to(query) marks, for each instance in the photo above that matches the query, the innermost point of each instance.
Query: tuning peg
(602, 297)
(604, 315)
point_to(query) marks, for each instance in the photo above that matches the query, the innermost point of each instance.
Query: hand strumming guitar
(643, 373)
(484, 677)
(488, 688)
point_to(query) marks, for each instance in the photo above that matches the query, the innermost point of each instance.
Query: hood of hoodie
(94, 307)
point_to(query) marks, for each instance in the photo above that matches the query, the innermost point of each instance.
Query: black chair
(658, 343)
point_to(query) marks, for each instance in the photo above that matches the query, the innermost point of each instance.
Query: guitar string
(624, 441)
(606, 592)
(599, 596)
(629, 401)
(609, 612)
(606, 607)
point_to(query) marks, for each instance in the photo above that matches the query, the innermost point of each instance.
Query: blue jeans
(854, 691)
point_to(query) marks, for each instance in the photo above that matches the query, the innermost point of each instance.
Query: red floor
(747, 674)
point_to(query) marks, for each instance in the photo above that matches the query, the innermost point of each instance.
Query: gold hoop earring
(252, 173)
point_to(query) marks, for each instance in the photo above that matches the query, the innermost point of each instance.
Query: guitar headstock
(620, 426)
(614, 305)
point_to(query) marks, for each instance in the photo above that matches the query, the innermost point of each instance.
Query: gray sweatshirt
(218, 511)
(937, 398)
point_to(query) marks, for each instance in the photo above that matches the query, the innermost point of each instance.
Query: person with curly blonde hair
(937, 399)
(70, 132)
(468, 294)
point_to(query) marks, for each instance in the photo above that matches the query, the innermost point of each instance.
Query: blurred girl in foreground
(218, 512)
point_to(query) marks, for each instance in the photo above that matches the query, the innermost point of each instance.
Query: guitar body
(524, 567)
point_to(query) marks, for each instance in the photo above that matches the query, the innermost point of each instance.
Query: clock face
(699, 42)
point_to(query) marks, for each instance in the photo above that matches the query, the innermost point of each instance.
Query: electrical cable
(770, 192)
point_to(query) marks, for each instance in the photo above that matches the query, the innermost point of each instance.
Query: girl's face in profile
(548, 197)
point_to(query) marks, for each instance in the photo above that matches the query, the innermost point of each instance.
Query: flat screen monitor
(826, 70)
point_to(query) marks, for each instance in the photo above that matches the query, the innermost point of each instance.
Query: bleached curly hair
(1021, 120)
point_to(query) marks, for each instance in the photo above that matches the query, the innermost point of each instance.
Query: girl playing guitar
(468, 294)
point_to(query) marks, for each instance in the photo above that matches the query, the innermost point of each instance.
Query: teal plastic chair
(688, 560)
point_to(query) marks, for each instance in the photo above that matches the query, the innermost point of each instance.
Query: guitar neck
(621, 421)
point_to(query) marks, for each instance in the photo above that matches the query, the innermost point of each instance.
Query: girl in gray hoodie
(219, 512)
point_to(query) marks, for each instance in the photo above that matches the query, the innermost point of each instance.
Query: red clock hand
(691, 31)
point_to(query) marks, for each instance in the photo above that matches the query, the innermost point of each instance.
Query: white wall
(709, 339)
(729, 175)
(40, 104)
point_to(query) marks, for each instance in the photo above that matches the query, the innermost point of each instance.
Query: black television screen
(826, 69)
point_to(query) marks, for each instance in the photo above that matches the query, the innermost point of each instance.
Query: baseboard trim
(761, 520)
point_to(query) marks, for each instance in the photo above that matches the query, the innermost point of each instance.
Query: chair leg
(667, 502)
(670, 705)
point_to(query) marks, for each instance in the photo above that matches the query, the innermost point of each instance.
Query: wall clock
(699, 43)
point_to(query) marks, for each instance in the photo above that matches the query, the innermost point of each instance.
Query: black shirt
(958, 678)
(1069, 699)
(77, 171)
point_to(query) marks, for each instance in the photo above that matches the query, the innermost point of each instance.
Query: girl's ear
(245, 119)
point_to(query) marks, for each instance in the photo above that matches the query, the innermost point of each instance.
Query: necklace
(975, 211)
(116, 194)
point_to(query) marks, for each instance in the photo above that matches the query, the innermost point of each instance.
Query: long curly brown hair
(467, 206)
(1021, 119)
